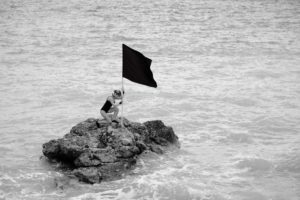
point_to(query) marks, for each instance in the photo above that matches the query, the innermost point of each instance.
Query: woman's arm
(113, 103)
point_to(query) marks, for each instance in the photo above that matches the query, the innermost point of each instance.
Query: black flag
(136, 67)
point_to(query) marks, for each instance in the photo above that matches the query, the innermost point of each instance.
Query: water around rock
(95, 152)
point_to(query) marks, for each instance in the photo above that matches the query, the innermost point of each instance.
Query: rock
(84, 127)
(97, 152)
(155, 148)
(115, 170)
(86, 159)
(159, 132)
(106, 155)
(88, 174)
(141, 145)
(51, 149)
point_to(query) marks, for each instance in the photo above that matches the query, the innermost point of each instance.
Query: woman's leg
(105, 116)
(115, 110)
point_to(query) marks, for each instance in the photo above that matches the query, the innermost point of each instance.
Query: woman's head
(117, 94)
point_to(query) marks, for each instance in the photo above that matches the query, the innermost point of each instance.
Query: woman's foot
(109, 129)
(115, 123)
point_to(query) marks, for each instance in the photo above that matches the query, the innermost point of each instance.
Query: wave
(255, 165)
(290, 163)
(239, 138)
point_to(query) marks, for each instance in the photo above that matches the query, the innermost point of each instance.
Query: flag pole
(122, 93)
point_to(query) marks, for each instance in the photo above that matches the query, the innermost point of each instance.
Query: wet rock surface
(96, 152)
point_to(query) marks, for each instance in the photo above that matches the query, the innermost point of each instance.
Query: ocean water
(228, 74)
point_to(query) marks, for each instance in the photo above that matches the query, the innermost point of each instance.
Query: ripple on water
(262, 74)
(290, 163)
(239, 138)
(254, 165)
(244, 102)
(248, 195)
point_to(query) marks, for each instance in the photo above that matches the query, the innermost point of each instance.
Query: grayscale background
(228, 74)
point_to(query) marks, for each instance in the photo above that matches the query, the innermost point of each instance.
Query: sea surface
(228, 74)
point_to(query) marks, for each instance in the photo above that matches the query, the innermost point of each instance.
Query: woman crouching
(110, 106)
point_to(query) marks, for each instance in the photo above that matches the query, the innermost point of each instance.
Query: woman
(110, 106)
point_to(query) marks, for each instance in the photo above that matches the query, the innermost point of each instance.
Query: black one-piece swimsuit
(107, 105)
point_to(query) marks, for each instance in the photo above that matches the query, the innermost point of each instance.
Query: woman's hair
(118, 93)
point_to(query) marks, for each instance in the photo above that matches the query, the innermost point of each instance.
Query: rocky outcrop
(95, 152)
